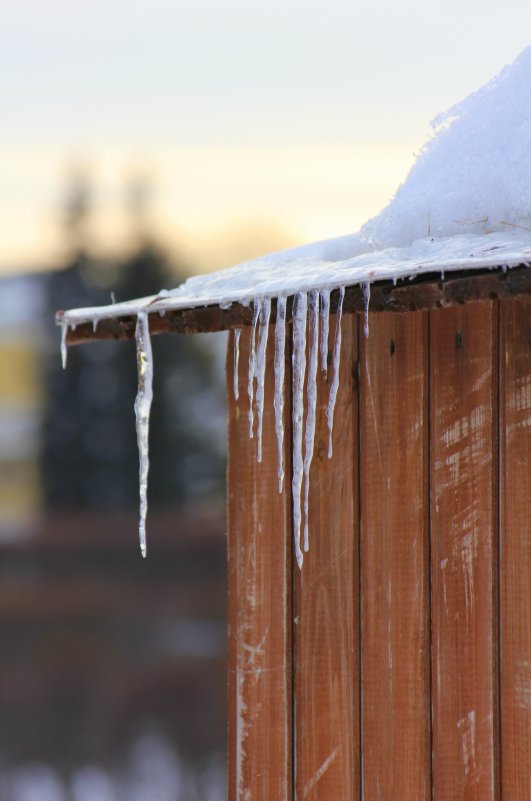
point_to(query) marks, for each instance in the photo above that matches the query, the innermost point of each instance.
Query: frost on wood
(299, 369)
(335, 365)
(264, 315)
(144, 359)
(280, 368)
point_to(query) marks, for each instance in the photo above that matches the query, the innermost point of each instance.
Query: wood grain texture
(464, 493)
(395, 558)
(515, 547)
(259, 566)
(326, 601)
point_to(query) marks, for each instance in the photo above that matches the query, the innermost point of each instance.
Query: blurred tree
(89, 455)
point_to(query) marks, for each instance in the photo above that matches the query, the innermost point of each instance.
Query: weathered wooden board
(515, 542)
(464, 547)
(259, 565)
(395, 624)
(326, 601)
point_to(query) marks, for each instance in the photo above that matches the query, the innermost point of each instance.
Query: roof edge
(428, 291)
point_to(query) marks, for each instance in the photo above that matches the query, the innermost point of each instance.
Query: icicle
(442, 275)
(252, 364)
(366, 288)
(311, 398)
(64, 346)
(265, 313)
(335, 380)
(325, 322)
(237, 333)
(143, 400)
(280, 367)
(299, 368)
(394, 280)
(94, 324)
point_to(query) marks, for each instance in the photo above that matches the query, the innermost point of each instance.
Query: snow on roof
(325, 265)
(474, 175)
(466, 204)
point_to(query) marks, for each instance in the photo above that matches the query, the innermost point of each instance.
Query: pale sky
(278, 122)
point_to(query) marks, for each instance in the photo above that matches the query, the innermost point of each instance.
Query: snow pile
(474, 175)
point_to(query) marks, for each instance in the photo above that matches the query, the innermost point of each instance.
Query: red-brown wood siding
(259, 566)
(326, 629)
(397, 665)
(464, 473)
(515, 548)
(394, 558)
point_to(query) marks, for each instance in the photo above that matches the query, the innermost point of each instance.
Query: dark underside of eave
(428, 291)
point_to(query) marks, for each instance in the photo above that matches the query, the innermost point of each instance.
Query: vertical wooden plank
(394, 462)
(259, 566)
(515, 445)
(464, 495)
(326, 601)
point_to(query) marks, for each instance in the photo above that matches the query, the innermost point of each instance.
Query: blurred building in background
(112, 668)
(22, 303)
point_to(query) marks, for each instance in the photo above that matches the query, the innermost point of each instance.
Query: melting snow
(466, 204)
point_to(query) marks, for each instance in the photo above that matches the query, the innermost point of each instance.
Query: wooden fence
(397, 665)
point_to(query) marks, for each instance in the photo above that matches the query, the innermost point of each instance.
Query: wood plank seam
(496, 496)
(428, 426)
(361, 333)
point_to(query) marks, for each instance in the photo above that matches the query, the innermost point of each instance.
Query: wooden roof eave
(427, 291)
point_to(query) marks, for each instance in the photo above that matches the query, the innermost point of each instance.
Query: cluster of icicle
(310, 323)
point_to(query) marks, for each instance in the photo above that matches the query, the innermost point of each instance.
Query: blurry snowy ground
(151, 772)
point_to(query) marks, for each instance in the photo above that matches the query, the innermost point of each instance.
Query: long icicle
(311, 399)
(299, 368)
(280, 367)
(325, 322)
(237, 334)
(265, 313)
(144, 360)
(335, 380)
(252, 364)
